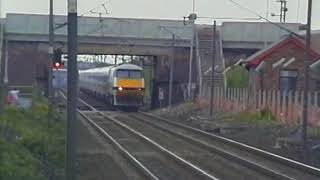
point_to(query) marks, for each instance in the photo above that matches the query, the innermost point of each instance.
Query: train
(120, 85)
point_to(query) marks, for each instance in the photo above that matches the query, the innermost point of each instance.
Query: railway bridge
(27, 57)
(27, 46)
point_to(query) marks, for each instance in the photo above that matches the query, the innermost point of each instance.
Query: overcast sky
(170, 9)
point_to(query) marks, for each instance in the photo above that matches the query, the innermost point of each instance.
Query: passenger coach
(121, 85)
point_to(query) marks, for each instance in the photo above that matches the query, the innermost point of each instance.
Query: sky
(171, 9)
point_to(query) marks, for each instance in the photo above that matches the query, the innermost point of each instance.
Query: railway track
(183, 152)
(153, 160)
(268, 165)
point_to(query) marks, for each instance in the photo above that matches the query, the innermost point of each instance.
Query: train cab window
(122, 74)
(135, 74)
(130, 74)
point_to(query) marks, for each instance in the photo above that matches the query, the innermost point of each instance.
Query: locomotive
(121, 85)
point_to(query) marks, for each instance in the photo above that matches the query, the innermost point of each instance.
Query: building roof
(258, 57)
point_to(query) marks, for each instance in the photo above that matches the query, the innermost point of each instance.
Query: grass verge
(263, 117)
(32, 145)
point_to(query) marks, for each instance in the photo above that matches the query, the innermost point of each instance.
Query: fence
(286, 106)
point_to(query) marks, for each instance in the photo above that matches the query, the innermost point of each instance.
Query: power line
(95, 8)
(169, 31)
(105, 8)
(91, 11)
(275, 24)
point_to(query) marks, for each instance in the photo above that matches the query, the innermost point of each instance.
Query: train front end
(128, 89)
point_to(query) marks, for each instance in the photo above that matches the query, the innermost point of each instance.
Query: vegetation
(238, 77)
(31, 144)
(18, 163)
(262, 117)
(314, 131)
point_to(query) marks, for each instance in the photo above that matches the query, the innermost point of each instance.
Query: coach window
(288, 80)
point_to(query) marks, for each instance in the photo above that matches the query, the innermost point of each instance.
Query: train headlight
(120, 88)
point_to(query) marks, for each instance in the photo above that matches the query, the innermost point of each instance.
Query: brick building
(281, 66)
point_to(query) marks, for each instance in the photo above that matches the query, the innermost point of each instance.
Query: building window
(288, 80)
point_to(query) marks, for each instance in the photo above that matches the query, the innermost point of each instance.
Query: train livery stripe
(131, 83)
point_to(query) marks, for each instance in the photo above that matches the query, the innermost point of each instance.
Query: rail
(175, 157)
(182, 162)
(118, 146)
(285, 161)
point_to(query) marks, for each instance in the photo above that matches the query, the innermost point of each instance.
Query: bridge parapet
(100, 27)
(253, 35)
